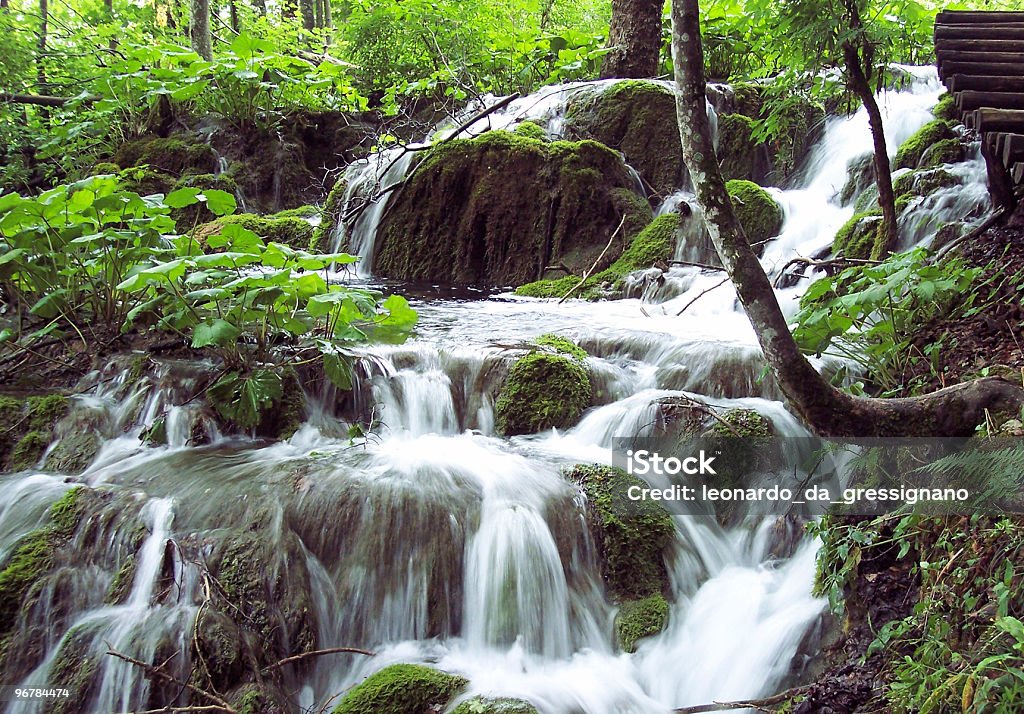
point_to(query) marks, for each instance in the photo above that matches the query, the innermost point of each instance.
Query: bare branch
(316, 653)
(593, 267)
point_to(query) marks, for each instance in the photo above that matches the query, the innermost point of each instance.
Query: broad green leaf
(219, 333)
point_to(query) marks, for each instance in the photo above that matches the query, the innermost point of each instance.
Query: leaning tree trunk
(634, 37)
(200, 29)
(826, 410)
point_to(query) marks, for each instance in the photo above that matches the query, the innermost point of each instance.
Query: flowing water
(435, 540)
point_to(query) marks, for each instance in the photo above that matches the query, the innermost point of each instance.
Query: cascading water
(434, 540)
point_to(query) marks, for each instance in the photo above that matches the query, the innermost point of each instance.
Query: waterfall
(431, 539)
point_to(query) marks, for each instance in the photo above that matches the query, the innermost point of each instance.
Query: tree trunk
(308, 18)
(635, 38)
(261, 6)
(826, 410)
(233, 10)
(44, 16)
(328, 19)
(200, 29)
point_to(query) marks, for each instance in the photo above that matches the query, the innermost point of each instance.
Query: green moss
(498, 208)
(34, 555)
(637, 619)
(542, 391)
(308, 211)
(947, 151)
(856, 237)
(45, 411)
(911, 150)
(861, 175)
(737, 149)
(253, 701)
(562, 345)
(653, 244)
(531, 130)
(945, 108)
(121, 585)
(74, 667)
(635, 117)
(760, 215)
(294, 232)
(74, 452)
(487, 705)
(29, 450)
(147, 181)
(402, 689)
(632, 536)
(746, 423)
(330, 217)
(174, 156)
(104, 168)
(923, 182)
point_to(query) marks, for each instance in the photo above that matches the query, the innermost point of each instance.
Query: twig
(840, 261)
(153, 671)
(316, 653)
(702, 294)
(746, 704)
(710, 412)
(586, 275)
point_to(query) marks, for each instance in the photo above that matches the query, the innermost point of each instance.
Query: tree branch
(746, 704)
(316, 653)
(156, 672)
(586, 275)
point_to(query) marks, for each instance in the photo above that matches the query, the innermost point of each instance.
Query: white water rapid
(437, 541)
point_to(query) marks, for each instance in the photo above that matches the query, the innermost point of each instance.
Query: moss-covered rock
(860, 174)
(562, 345)
(631, 536)
(73, 452)
(147, 181)
(542, 391)
(105, 168)
(175, 155)
(402, 689)
(637, 118)
(75, 667)
(497, 209)
(29, 428)
(947, 151)
(760, 215)
(35, 554)
(743, 423)
(911, 150)
(923, 182)
(501, 705)
(308, 211)
(740, 155)
(531, 130)
(637, 619)
(330, 218)
(945, 108)
(653, 244)
(856, 237)
(294, 232)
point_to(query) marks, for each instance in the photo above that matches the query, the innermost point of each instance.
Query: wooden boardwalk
(980, 56)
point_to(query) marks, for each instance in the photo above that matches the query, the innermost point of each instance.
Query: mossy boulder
(36, 554)
(501, 705)
(860, 175)
(294, 232)
(175, 155)
(637, 619)
(631, 536)
(760, 215)
(543, 390)
(497, 209)
(947, 151)
(29, 428)
(654, 244)
(923, 182)
(740, 155)
(402, 689)
(146, 181)
(911, 150)
(856, 237)
(531, 130)
(73, 452)
(945, 108)
(105, 168)
(637, 118)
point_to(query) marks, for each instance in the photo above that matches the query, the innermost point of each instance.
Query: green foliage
(869, 313)
(632, 536)
(401, 689)
(542, 391)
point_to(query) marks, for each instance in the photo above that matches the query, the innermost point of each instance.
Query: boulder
(402, 689)
(497, 209)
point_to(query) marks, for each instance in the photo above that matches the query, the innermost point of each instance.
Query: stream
(437, 541)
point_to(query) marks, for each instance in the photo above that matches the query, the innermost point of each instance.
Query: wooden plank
(1001, 69)
(1012, 149)
(1006, 120)
(968, 17)
(980, 32)
(961, 82)
(971, 99)
(978, 56)
(1017, 173)
(980, 45)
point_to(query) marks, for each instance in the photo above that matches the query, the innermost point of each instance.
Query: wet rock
(856, 237)
(402, 689)
(176, 155)
(498, 209)
(218, 650)
(637, 118)
(74, 452)
(861, 175)
(543, 391)
(760, 215)
(330, 218)
(30, 425)
(487, 705)
(740, 155)
(291, 231)
(637, 619)
(913, 149)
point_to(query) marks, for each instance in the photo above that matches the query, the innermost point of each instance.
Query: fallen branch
(593, 267)
(702, 266)
(702, 294)
(942, 250)
(710, 412)
(156, 672)
(316, 653)
(42, 100)
(837, 262)
(210, 708)
(746, 704)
